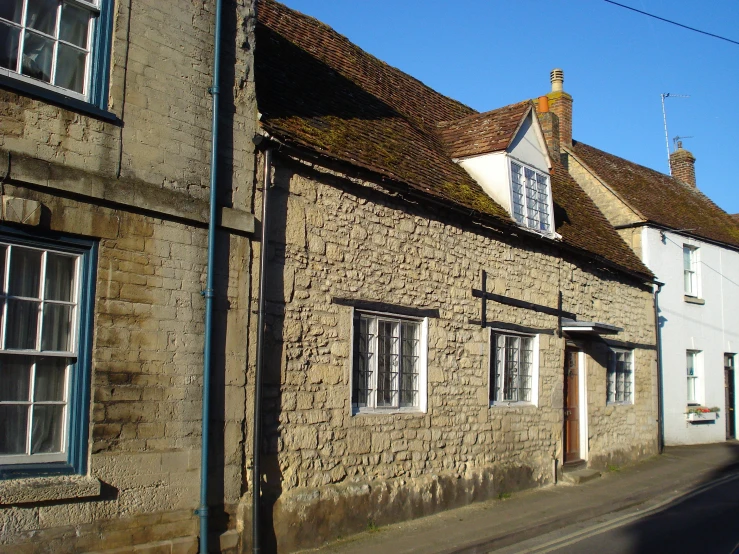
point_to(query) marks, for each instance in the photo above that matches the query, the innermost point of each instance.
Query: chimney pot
(557, 76)
(560, 103)
(543, 106)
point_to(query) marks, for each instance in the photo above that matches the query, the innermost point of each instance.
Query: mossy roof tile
(319, 91)
(659, 198)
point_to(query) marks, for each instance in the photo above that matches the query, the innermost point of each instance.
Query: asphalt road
(706, 523)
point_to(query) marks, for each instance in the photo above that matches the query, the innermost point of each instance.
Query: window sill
(57, 98)
(44, 489)
(388, 411)
(694, 300)
(512, 404)
(629, 403)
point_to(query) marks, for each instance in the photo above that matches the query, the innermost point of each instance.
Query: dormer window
(530, 197)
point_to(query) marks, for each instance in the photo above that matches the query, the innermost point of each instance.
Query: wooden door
(571, 406)
(729, 395)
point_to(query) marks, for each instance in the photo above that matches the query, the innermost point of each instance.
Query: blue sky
(489, 53)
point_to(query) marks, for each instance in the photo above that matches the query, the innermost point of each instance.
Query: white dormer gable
(518, 178)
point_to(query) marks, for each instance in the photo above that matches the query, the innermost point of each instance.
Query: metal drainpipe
(660, 403)
(256, 447)
(202, 510)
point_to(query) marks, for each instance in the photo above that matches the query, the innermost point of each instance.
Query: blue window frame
(46, 313)
(58, 50)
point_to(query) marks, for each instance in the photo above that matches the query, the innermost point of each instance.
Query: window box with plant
(702, 413)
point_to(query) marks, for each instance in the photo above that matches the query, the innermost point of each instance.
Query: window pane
(70, 68)
(686, 258)
(15, 379)
(510, 381)
(46, 435)
(25, 272)
(51, 376)
(9, 37)
(409, 364)
(14, 427)
(74, 25)
(11, 10)
(517, 188)
(22, 324)
(37, 55)
(42, 15)
(59, 277)
(56, 333)
(363, 363)
(387, 363)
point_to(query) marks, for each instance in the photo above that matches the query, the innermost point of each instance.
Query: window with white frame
(530, 197)
(389, 363)
(42, 334)
(690, 269)
(60, 45)
(620, 377)
(513, 373)
(692, 361)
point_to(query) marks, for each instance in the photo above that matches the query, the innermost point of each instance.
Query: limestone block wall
(143, 476)
(161, 69)
(616, 212)
(139, 186)
(331, 471)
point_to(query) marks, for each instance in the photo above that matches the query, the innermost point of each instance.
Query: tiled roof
(659, 198)
(318, 91)
(482, 133)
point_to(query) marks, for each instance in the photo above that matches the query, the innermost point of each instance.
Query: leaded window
(512, 368)
(530, 197)
(388, 368)
(620, 377)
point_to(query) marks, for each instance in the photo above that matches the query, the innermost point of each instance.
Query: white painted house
(692, 247)
(699, 303)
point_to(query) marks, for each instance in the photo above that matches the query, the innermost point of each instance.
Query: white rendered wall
(712, 328)
(528, 148)
(492, 174)
(491, 171)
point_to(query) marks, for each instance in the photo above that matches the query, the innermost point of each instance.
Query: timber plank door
(730, 396)
(571, 406)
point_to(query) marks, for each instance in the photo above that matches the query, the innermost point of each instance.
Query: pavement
(514, 523)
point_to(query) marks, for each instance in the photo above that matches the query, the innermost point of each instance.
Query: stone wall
(616, 212)
(334, 472)
(140, 189)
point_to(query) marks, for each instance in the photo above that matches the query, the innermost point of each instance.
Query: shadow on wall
(278, 293)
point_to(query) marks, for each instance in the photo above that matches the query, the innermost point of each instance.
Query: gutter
(660, 401)
(257, 445)
(679, 232)
(208, 293)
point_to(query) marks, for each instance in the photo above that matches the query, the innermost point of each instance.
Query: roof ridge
(473, 116)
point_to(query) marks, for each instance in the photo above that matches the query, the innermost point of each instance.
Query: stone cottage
(692, 246)
(448, 314)
(105, 138)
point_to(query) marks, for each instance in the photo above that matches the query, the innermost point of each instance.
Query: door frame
(730, 412)
(582, 402)
(583, 392)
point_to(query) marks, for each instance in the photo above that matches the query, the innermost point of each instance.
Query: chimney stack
(560, 103)
(549, 125)
(682, 165)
